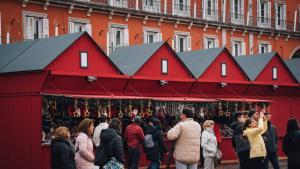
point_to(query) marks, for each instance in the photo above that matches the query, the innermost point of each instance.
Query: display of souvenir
(86, 112)
(77, 111)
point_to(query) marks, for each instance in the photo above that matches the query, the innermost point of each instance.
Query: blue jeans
(273, 158)
(154, 165)
(181, 165)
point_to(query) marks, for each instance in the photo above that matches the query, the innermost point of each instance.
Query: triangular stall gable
(68, 77)
(206, 66)
(144, 64)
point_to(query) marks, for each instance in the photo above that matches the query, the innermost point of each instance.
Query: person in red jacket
(134, 136)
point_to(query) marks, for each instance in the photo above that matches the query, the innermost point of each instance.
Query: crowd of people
(254, 140)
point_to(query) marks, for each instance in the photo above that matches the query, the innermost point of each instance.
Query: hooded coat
(62, 154)
(239, 142)
(112, 143)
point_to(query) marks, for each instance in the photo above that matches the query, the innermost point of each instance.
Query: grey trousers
(181, 165)
(209, 162)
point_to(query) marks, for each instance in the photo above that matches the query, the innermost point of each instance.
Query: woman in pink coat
(84, 157)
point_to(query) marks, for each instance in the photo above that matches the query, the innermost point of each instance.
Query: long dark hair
(292, 126)
(247, 123)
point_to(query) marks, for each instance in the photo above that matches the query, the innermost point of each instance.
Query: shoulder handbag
(113, 164)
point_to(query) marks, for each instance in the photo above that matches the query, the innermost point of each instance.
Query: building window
(211, 42)
(274, 73)
(83, 59)
(264, 13)
(280, 16)
(264, 47)
(36, 25)
(118, 3)
(181, 7)
(152, 35)
(238, 47)
(79, 25)
(237, 11)
(151, 5)
(210, 9)
(223, 69)
(182, 42)
(118, 36)
(164, 66)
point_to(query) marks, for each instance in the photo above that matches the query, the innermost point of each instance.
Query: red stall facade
(75, 66)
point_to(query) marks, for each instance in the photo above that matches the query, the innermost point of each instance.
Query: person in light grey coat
(209, 144)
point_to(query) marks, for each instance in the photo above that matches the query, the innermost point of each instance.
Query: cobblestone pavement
(283, 165)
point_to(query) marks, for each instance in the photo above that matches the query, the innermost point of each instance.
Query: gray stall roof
(198, 61)
(254, 64)
(294, 66)
(129, 59)
(34, 55)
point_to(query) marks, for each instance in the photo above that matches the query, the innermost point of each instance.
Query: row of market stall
(58, 81)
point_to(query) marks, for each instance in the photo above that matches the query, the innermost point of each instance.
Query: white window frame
(85, 22)
(207, 38)
(186, 41)
(242, 46)
(223, 69)
(264, 43)
(274, 73)
(114, 28)
(28, 30)
(84, 60)
(265, 20)
(212, 12)
(157, 35)
(181, 7)
(118, 3)
(237, 17)
(164, 66)
(280, 19)
(155, 7)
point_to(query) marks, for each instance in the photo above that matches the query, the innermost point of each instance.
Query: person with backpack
(240, 143)
(110, 153)
(134, 136)
(154, 145)
(187, 134)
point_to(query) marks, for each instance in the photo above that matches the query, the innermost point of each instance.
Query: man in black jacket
(271, 142)
(239, 142)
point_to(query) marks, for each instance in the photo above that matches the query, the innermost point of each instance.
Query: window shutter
(188, 4)
(145, 36)
(157, 5)
(112, 37)
(7, 37)
(233, 48)
(71, 27)
(40, 28)
(126, 37)
(107, 42)
(242, 10)
(45, 28)
(258, 11)
(189, 43)
(205, 43)
(284, 16)
(111, 2)
(232, 9)
(269, 48)
(216, 9)
(269, 13)
(29, 25)
(259, 48)
(243, 48)
(204, 8)
(277, 17)
(159, 37)
(216, 43)
(88, 28)
(173, 7)
(173, 45)
(177, 43)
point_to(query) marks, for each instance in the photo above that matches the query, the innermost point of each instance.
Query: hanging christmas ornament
(120, 109)
(142, 109)
(109, 108)
(130, 109)
(201, 113)
(86, 112)
(149, 112)
(99, 109)
(77, 111)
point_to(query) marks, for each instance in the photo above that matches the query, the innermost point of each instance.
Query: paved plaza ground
(283, 165)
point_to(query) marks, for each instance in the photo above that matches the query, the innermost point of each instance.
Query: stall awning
(179, 99)
(243, 100)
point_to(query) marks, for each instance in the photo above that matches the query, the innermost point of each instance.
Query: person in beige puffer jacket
(187, 134)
